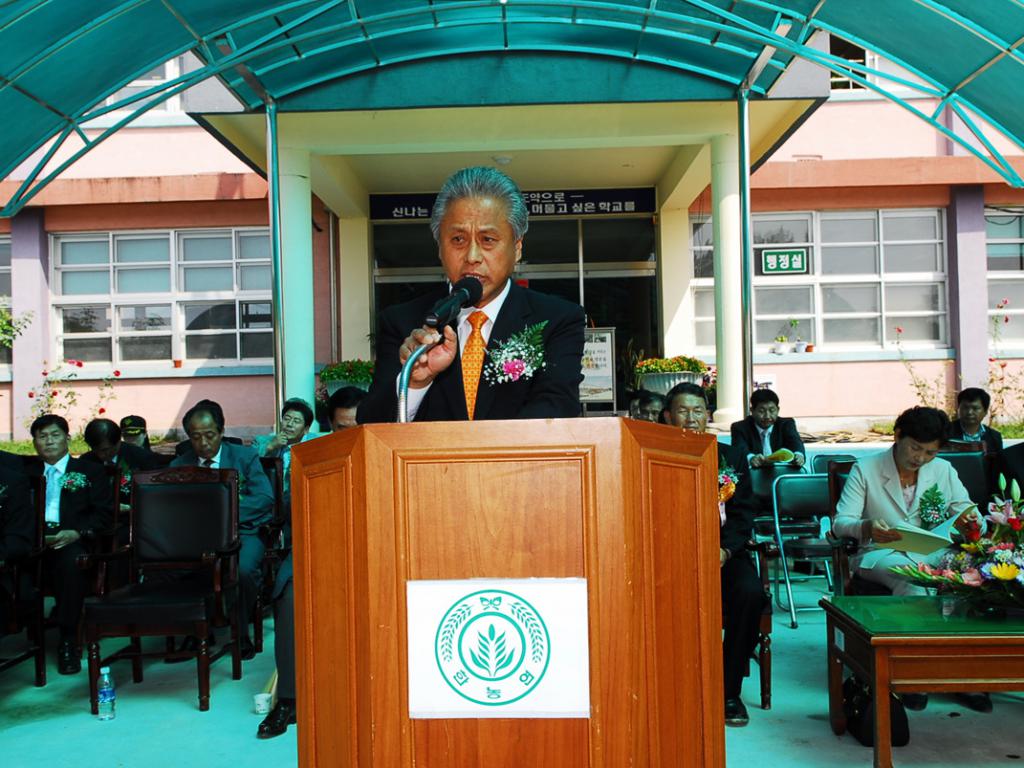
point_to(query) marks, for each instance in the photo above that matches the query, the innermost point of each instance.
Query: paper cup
(261, 703)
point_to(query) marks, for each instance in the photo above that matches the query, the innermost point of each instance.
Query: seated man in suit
(283, 713)
(133, 430)
(296, 419)
(647, 406)
(342, 406)
(79, 505)
(764, 432)
(971, 409)
(743, 598)
(478, 221)
(106, 447)
(17, 532)
(204, 426)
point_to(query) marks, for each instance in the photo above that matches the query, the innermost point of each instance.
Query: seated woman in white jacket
(884, 490)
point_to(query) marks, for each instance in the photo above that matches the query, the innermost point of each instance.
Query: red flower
(117, 373)
(45, 373)
(899, 329)
(1015, 523)
(31, 394)
(1005, 302)
(1006, 318)
(101, 411)
(54, 393)
(991, 359)
(1002, 364)
(78, 363)
(973, 533)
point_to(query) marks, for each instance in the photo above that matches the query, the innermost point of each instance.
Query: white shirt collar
(491, 310)
(216, 457)
(62, 464)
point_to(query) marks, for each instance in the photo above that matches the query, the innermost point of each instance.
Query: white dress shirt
(215, 462)
(464, 329)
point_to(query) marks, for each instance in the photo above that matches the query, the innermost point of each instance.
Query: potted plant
(347, 373)
(660, 374)
(780, 344)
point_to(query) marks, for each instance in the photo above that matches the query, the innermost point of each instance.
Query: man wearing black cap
(133, 431)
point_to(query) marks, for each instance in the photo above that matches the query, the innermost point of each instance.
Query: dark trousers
(284, 641)
(69, 584)
(743, 600)
(249, 572)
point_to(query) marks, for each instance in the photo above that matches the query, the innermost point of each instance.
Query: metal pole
(746, 243)
(276, 250)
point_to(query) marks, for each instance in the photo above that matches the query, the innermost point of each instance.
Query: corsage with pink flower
(518, 357)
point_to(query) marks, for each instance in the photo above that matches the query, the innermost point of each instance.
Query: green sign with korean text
(784, 261)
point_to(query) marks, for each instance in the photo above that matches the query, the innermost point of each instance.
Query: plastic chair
(800, 502)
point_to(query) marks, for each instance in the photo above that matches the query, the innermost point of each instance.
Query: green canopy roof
(60, 60)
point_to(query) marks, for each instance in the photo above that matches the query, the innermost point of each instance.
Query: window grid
(1004, 245)
(126, 327)
(5, 289)
(885, 318)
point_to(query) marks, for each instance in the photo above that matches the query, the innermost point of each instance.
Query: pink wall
(5, 409)
(248, 401)
(880, 389)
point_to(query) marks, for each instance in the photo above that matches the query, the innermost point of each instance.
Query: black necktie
(207, 462)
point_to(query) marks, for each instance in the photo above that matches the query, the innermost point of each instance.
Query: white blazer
(873, 492)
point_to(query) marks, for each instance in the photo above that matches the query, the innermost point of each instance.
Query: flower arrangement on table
(518, 357)
(985, 570)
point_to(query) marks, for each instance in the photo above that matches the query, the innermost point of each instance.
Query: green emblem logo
(492, 647)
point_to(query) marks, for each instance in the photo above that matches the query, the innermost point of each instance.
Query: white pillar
(676, 274)
(355, 287)
(725, 213)
(296, 311)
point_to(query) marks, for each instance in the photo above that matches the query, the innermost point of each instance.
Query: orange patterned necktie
(473, 360)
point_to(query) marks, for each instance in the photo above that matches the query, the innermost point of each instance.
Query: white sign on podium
(498, 648)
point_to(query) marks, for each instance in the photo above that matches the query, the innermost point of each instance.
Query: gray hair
(482, 181)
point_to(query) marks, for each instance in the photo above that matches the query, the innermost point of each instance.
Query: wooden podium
(630, 506)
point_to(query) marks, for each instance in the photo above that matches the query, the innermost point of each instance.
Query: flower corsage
(519, 357)
(727, 479)
(74, 481)
(932, 507)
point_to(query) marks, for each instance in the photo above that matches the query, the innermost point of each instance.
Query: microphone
(465, 293)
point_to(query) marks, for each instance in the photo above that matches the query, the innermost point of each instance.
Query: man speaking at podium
(512, 353)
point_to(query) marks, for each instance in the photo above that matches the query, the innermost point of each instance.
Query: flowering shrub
(359, 372)
(55, 394)
(676, 364)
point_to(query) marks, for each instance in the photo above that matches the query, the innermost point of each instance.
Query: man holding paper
(905, 485)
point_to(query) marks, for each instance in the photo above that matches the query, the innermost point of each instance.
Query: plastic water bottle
(106, 695)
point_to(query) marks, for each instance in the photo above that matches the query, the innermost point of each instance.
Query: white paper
(485, 648)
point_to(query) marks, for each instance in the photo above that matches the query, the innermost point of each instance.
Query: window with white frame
(872, 278)
(161, 74)
(132, 297)
(1004, 247)
(5, 289)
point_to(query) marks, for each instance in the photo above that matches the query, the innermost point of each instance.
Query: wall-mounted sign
(498, 648)
(784, 261)
(563, 202)
(598, 366)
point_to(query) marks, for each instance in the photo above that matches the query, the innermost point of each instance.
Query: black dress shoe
(69, 658)
(915, 702)
(979, 702)
(277, 722)
(736, 713)
(246, 648)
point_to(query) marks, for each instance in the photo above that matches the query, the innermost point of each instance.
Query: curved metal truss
(268, 51)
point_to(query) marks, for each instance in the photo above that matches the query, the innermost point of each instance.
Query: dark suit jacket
(17, 521)
(992, 439)
(88, 510)
(12, 461)
(255, 496)
(552, 392)
(746, 439)
(131, 456)
(739, 510)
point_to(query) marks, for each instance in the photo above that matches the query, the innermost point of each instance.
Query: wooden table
(905, 644)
